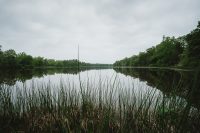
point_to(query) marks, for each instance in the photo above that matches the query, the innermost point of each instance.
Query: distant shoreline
(169, 68)
(107, 67)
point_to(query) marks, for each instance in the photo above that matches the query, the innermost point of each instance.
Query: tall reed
(103, 107)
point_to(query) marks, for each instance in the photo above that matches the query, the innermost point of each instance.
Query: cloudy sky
(106, 30)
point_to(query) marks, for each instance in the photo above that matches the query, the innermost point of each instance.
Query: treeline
(179, 52)
(10, 59)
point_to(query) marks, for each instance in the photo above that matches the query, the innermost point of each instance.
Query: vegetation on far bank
(171, 52)
(11, 59)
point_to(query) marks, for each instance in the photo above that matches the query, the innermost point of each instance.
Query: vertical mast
(78, 56)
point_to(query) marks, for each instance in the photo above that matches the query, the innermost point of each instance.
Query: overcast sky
(106, 30)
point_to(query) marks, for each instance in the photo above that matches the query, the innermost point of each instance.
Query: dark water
(184, 84)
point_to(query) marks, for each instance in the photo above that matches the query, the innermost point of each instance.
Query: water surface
(141, 81)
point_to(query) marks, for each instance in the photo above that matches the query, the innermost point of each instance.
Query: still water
(141, 81)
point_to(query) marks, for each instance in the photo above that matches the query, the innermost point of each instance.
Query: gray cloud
(106, 30)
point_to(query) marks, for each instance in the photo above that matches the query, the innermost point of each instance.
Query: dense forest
(183, 51)
(10, 59)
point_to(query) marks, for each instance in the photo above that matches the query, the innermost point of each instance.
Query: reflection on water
(163, 100)
(107, 78)
(10, 77)
(184, 84)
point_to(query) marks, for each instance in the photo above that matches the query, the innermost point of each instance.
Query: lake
(141, 81)
(99, 100)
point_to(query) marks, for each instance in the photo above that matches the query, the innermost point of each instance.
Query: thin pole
(78, 56)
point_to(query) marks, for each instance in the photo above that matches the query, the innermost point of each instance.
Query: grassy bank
(105, 107)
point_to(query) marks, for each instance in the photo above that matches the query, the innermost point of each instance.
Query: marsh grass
(103, 107)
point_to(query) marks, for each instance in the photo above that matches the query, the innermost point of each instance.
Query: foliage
(191, 54)
(24, 60)
(10, 59)
(182, 51)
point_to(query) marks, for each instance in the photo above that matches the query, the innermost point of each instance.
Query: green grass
(103, 107)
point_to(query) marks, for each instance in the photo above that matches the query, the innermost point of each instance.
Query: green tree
(191, 54)
(9, 59)
(24, 60)
(168, 52)
(1, 56)
(51, 62)
(38, 62)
